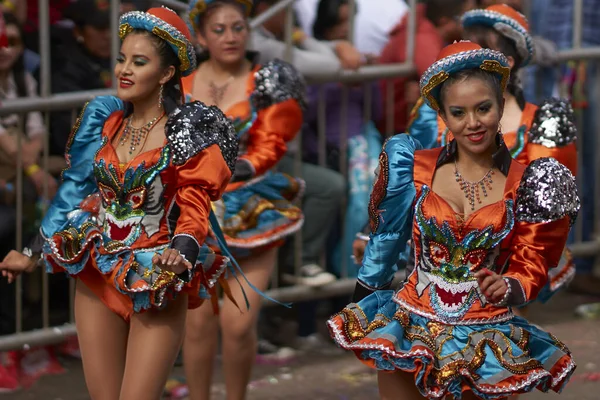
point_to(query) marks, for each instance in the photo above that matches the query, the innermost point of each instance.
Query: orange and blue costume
(110, 218)
(547, 130)
(438, 325)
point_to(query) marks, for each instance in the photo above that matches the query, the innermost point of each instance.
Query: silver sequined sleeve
(194, 126)
(553, 124)
(547, 193)
(276, 82)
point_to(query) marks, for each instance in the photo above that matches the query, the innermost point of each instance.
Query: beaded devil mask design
(134, 204)
(448, 262)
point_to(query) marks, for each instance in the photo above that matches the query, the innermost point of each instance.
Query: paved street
(339, 376)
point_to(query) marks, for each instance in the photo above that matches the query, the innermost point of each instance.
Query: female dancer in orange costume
(131, 215)
(256, 213)
(530, 131)
(486, 229)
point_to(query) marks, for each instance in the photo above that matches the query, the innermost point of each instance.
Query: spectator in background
(310, 56)
(15, 82)
(86, 63)
(374, 21)
(32, 24)
(18, 8)
(437, 25)
(29, 128)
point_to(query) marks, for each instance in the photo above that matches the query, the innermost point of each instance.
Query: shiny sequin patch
(547, 193)
(193, 127)
(276, 82)
(554, 124)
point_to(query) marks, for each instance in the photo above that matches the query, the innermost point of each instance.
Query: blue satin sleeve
(77, 179)
(423, 125)
(390, 212)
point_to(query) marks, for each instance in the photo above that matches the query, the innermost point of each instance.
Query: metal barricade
(365, 75)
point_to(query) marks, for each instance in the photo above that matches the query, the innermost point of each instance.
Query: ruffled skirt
(491, 360)
(123, 278)
(260, 213)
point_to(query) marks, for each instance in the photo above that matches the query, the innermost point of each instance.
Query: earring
(160, 96)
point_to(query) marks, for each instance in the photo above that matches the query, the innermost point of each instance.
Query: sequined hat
(197, 7)
(167, 25)
(506, 21)
(458, 57)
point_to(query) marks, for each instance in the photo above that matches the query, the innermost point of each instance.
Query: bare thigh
(397, 385)
(102, 336)
(258, 270)
(155, 338)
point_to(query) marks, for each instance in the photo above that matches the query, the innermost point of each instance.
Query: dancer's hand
(492, 285)
(16, 263)
(171, 260)
(358, 250)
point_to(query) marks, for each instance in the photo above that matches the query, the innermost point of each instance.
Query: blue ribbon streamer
(233, 265)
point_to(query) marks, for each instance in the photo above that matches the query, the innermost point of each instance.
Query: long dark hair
(328, 15)
(481, 35)
(18, 68)
(172, 90)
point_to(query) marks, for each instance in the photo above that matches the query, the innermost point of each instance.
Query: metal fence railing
(47, 102)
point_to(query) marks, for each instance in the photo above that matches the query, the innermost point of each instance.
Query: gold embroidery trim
(496, 67)
(435, 81)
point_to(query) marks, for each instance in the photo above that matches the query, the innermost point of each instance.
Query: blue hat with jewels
(167, 25)
(197, 7)
(457, 57)
(506, 21)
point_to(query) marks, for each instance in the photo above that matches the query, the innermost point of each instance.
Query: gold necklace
(135, 136)
(471, 189)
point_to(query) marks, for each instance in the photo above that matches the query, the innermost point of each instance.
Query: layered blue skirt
(491, 360)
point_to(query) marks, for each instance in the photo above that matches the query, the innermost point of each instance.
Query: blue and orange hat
(167, 25)
(458, 57)
(506, 21)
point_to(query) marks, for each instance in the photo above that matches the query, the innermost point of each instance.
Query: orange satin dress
(122, 214)
(438, 326)
(258, 213)
(525, 151)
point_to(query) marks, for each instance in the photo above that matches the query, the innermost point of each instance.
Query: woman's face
(341, 30)
(139, 71)
(10, 54)
(472, 113)
(225, 34)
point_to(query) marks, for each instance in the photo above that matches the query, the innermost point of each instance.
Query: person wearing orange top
(131, 216)
(530, 131)
(256, 212)
(485, 230)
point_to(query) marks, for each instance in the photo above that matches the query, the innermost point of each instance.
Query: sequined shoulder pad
(194, 126)
(276, 82)
(553, 124)
(547, 192)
